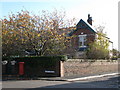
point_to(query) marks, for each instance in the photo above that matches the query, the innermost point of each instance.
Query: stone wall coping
(100, 60)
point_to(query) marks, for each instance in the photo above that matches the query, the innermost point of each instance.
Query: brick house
(82, 36)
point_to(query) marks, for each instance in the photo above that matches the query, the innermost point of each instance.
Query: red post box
(21, 68)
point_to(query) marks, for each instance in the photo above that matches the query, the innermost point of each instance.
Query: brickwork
(67, 68)
(61, 69)
(89, 68)
(90, 36)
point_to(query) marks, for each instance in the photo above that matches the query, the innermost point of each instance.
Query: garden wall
(78, 67)
(56, 67)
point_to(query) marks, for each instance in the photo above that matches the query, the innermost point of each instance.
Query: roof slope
(79, 25)
(87, 25)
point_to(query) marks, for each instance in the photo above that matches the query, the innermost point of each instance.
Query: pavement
(76, 78)
(95, 81)
(65, 78)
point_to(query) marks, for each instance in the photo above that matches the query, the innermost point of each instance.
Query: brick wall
(90, 36)
(76, 67)
(71, 67)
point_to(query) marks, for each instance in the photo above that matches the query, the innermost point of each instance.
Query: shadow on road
(109, 83)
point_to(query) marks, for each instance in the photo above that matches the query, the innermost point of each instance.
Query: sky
(103, 12)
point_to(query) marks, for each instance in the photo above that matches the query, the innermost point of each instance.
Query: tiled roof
(79, 26)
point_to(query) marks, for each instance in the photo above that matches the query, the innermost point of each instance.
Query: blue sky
(103, 12)
(37, 6)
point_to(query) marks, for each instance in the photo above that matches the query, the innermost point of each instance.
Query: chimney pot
(89, 20)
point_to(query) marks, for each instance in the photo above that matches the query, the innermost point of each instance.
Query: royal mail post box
(21, 68)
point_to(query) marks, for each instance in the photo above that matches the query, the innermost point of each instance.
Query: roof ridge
(88, 25)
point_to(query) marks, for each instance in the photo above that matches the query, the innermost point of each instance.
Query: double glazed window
(82, 40)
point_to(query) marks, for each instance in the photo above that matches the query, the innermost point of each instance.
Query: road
(104, 82)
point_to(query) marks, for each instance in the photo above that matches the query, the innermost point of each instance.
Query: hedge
(35, 61)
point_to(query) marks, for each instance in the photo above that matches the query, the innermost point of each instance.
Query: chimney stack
(89, 20)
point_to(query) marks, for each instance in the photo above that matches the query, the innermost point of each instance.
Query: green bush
(97, 52)
(114, 57)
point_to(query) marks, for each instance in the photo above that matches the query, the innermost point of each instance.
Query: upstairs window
(82, 40)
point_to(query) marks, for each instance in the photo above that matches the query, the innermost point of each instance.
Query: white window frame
(83, 42)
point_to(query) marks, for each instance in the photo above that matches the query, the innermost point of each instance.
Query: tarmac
(75, 78)
(65, 78)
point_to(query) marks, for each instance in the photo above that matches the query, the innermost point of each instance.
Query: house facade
(82, 36)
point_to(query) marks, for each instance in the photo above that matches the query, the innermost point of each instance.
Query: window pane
(80, 43)
(82, 40)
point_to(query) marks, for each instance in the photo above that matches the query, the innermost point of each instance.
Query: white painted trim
(82, 35)
(82, 46)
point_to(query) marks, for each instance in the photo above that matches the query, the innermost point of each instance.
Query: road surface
(104, 82)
